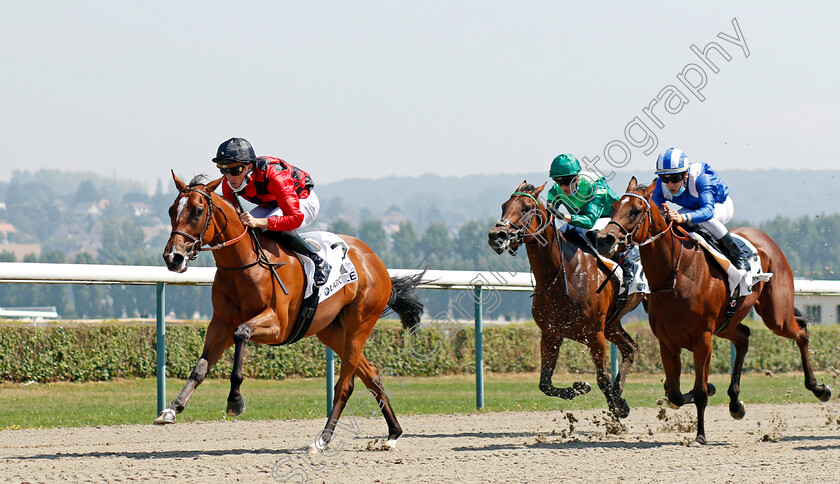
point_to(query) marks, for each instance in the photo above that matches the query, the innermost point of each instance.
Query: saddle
(333, 249)
(746, 250)
(738, 281)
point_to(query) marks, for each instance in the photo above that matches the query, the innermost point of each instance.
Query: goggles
(674, 178)
(235, 170)
(564, 180)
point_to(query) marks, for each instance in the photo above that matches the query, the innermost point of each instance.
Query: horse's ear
(632, 184)
(521, 185)
(539, 189)
(649, 190)
(180, 185)
(213, 185)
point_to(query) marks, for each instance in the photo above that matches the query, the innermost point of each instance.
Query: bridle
(629, 237)
(198, 242)
(523, 230)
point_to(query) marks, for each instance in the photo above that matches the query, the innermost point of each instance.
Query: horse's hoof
(623, 408)
(166, 417)
(825, 395)
(236, 407)
(317, 447)
(391, 444)
(738, 411)
(711, 389)
(700, 439)
(581, 387)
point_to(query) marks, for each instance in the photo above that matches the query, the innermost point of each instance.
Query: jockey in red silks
(283, 194)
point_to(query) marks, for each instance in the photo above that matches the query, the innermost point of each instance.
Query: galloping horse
(566, 303)
(689, 297)
(248, 304)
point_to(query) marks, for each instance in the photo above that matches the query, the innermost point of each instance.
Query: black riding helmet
(235, 150)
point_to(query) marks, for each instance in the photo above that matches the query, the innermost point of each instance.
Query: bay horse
(249, 304)
(566, 303)
(689, 297)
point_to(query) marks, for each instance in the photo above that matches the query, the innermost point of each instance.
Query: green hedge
(112, 350)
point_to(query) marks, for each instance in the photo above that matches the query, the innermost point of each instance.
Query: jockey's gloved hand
(673, 215)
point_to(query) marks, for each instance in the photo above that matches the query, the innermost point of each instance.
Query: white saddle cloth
(332, 249)
(736, 277)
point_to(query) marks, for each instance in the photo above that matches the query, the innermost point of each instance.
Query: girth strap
(730, 310)
(307, 313)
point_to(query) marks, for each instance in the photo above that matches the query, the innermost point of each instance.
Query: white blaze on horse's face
(181, 204)
(175, 256)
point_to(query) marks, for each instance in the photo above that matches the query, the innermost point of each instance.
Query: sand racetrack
(773, 443)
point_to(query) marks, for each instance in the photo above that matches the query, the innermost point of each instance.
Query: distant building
(139, 208)
(6, 229)
(21, 250)
(96, 208)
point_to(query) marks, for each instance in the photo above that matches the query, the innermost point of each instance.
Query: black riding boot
(290, 239)
(626, 267)
(627, 270)
(733, 252)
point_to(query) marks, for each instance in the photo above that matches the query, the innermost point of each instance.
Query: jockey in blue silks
(704, 197)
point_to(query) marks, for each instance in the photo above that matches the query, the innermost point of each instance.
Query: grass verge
(134, 401)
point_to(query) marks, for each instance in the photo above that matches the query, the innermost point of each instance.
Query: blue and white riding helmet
(672, 160)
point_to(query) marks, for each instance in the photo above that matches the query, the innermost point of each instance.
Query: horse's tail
(800, 318)
(404, 300)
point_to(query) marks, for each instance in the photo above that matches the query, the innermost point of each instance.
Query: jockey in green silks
(588, 199)
(586, 195)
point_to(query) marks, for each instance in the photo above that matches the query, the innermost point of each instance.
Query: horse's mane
(201, 179)
(198, 180)
(528, 188)
(641, 187)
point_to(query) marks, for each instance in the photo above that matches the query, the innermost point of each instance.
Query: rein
(198, 242)
(262, 259)
(560, 271)
(630, 235)
(520, 233)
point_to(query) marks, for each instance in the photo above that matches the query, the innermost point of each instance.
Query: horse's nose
(174, 260)
(497, 238)
(605, 242)
(497, 235)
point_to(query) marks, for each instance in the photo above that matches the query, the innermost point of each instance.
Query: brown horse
(689, 297)
(566, 303)
(248, 304)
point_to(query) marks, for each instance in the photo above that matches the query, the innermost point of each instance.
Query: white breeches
(599, 224)
(310, 206)
(723, 214)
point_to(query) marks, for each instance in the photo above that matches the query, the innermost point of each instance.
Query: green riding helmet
(564, 165)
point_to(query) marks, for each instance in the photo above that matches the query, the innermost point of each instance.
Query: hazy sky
(371, 89)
